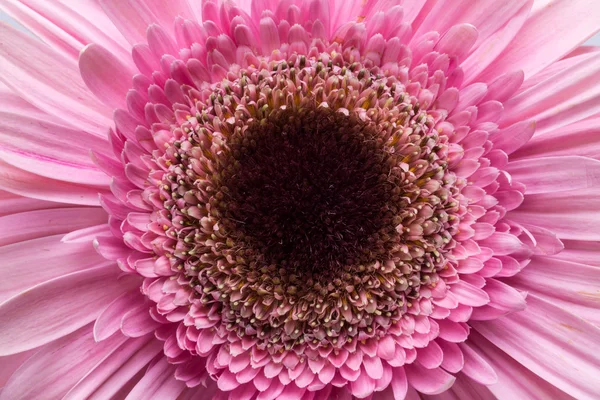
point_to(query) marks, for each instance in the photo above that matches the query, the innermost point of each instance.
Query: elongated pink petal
(569, 285)
(105, 75)
(11, 203)
(543, 333)
(120, 365)
(476, 367)
(109, 320)
(535, 47)
(39, 223)
(42, 144)
(570, 214)
(50, 82)
(580, 138)
(428, 381)
(567, 97)
(554, 174)
(62, 27)
(131, 17)
(34, 186)
(9, 364)
(514, 380)
(58, 307)
(21, 262)
(35, 380)
(158, 383)
(492, 46)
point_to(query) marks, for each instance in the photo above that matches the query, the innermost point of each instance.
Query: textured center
(309, 190)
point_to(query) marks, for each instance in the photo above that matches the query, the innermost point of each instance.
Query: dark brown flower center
(310, 190)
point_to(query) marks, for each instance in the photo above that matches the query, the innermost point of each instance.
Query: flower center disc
(310, 190)
(307, 203)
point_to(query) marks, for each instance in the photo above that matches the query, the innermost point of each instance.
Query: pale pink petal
(569, 285)
(34, 186)
(535, 46)
(120, 383)
(92, 12)
(43, 377)
(458, 41)
(11, 203)
(109, 320)
(580, 138)
(542, 334)
(570, 214)
(560, 100)
(50, 82)
(428, 381)
(57, 307)
(114, 371)
(514, 380)
(554, 174)
(492, 46)
(399, 383)
(158, 383)
(582, 252)
(40, 143)
(9, 364)
(39, 223)
(512, 138)
(469, 295)
(107, 77)
(20, 266)
(131, 17)
(61, 26)
(476, 367)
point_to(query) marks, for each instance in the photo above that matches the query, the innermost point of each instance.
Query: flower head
(301, 199)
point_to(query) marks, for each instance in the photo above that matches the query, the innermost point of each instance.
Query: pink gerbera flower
(300, 199)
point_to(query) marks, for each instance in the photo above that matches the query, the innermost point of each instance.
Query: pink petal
(476, 367)
(542, 334)
(35, 380)
(458, 41)
(453, 357)
(105, 75)
(514, 380)
(514, 137)
(503, 296)
(486, 53)
(62, 27)
(569, 285)
(115, 370)
(580, 138)
(554, 174)
(469, 295)
(536, 47)
(570, 214)
(158, 383)
(20, 266)
(45, 145)
(582, 252)
(131, 17)
(34, 186)
(399, 383)
(57, 307)
(50, 82)
(363, 386)
(430, 356)
(109, 320)
(568, 97)
(9, 364)
(11, 203)
(35, 224)
(428, 381)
